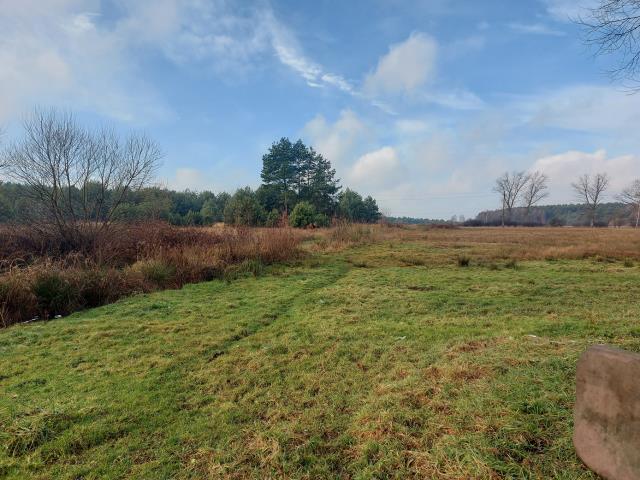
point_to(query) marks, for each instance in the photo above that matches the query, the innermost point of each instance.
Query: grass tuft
(463, 261)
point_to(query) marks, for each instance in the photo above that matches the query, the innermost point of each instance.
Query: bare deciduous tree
(77, 177)
(614, 27)
(590, 190)
(509, 186)
(631, 197)
(3, 162)
(534, 190)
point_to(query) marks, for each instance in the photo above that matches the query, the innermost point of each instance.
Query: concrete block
(607, 412)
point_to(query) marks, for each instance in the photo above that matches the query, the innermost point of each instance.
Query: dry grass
(38, 281)
(518, 243)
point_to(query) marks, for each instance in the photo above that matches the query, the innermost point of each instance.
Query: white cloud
(377, 168)
(341, 141)
(567, 10)
(52, 52)
(564, 168)
(407, 67)
(536, 29)
(455, 99)
(61, 52)
(587, 108)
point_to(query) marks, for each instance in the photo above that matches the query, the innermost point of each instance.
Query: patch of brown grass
(39, 282)
(511, 244)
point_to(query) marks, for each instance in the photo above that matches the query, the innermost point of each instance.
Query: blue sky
(421, 104)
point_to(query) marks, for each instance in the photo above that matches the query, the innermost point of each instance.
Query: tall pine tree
(293, 172)
(279, 171)
(324, 185)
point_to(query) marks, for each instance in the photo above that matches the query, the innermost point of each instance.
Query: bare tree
(78, 178)
(590, 190)
(534, 190)
(3, 162)
(509, 186)
(631, 197)
(613, 27)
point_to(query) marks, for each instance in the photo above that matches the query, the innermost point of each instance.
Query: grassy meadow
(379, 353)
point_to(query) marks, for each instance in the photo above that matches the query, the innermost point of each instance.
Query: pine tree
(324, 186)
(279, 170)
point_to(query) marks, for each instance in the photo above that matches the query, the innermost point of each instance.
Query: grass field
(388, 359)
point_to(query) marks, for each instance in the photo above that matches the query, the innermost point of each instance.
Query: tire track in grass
(334, 275)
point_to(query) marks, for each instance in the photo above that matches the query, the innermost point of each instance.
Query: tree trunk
(638, 216)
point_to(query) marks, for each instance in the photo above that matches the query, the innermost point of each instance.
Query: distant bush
(303, 215)
(464, 261)
(511, 263)
(243, 208)
(353, 233)
(273, 218)
(156, 272)
(557, 222)
(54, 294)
(321, 220)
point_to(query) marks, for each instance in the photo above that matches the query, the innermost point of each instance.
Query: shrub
(100, 286)
(511, 263)
(244, 209)
(156, 272)
(352, 233)
(46, 286)
(273, 218)
(463, 261)
(321, 220)
(248, 267)
(303, 215)
(17, 301)
(54, 294)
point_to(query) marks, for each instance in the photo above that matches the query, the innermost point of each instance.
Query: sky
(421, 104)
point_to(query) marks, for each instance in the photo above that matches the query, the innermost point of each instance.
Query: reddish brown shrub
(40, 281)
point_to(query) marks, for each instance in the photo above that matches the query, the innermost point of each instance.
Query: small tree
(210, 212)
(273, 218)
(535, 189)
(509, 186)
(77, 178)
(371, 212)
(631, 197)
(590, 190)
(243, 209)
(351, 206)
(303, 215)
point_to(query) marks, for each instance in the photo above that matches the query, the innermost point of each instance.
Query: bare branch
(509, 187)
(590, 190)
(614, 28)
(631, 196)
(78, 178)
(535, 190)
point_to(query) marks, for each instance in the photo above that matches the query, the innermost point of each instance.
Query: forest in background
(297, 182)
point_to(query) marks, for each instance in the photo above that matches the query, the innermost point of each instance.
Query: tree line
(79, 181)
(520, 193)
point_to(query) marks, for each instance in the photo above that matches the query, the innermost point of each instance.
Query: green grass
(376, 362)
